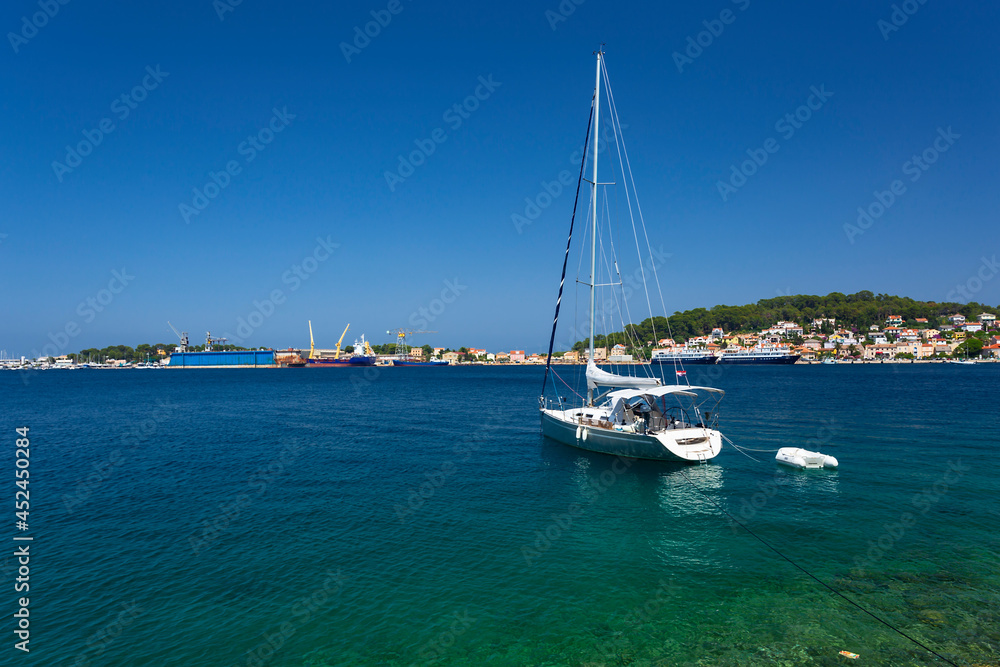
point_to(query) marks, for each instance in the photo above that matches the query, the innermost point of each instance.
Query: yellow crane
(312, 344)
(401, 335)
(337, 355)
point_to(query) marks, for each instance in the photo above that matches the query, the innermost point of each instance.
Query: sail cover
(598, 378)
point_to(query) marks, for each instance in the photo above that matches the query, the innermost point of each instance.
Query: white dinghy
(803, 458)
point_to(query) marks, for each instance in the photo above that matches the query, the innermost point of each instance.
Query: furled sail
(598, 378)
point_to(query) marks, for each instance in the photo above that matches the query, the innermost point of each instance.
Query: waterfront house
(812, 343)
(571, 357)
(874, 327)
(517, 356)
(893, 320)
(881, 351)
(972, 326)
(502, 357)
(921, 320)
(992, 351)
(618, 354)
(927, 334)
(450, 357)
(944, 347)
(988, 319)
(600, 354)
(957, 319)
(663, 342)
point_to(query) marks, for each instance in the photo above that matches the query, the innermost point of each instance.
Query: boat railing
(549, 403)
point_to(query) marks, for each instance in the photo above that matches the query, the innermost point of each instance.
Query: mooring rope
(739, 449)
(749, 449)
(812, 576)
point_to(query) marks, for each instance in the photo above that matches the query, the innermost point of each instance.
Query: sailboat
(626, 415)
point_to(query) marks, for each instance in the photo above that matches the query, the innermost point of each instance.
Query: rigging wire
(579, 395)
(569, 240)
(619, 146)
(678, 363)
(614, 272)
(811, 575)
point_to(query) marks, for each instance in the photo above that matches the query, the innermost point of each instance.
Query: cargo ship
(316, 360)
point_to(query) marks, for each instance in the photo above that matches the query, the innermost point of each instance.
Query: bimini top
(674, 389)
(598, 378)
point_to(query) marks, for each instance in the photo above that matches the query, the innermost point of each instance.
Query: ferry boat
(765, 354)
(683, 355)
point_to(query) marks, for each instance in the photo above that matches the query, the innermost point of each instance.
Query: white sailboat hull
(691, 445)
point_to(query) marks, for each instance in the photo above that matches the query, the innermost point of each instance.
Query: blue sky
(200, 90)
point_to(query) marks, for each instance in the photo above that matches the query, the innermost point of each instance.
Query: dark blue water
(417, 516)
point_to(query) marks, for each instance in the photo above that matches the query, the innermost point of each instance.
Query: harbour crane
(210, 341)
(401, 335)
(183, 336)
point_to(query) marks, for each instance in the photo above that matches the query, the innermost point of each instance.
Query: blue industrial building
(241, 359)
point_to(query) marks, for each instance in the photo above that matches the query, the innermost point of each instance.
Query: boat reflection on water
(678, 489)
(644, 486)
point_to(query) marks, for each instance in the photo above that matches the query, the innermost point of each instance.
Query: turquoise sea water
(417, 516)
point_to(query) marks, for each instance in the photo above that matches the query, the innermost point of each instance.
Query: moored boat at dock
(683, 355)
(764, 354)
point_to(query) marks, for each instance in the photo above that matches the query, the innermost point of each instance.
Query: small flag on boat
(681, 373)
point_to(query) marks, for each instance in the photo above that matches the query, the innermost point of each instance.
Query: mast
(593, 213)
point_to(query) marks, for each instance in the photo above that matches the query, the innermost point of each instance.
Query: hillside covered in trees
(851, 311)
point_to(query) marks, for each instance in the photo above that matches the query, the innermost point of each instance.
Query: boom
(337, 355)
